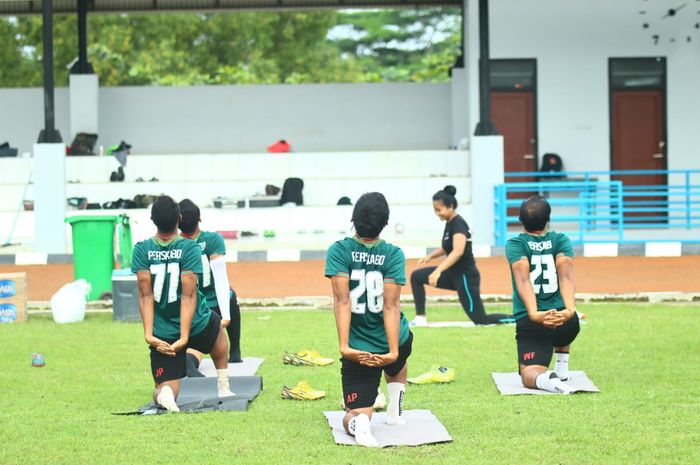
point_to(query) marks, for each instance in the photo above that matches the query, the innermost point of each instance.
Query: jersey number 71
(159, 271)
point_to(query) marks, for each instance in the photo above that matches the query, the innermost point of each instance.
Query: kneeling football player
(366, 276)
(174, 312)
(542, 270)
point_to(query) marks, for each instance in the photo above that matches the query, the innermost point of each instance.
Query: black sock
(192, 367)
(234, 332)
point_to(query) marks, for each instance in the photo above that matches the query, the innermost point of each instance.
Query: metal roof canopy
(34, 7)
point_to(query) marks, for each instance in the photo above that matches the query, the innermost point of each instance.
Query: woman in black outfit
(458, 271)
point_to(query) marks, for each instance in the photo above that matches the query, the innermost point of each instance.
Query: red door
(638, 143)
(513, 113)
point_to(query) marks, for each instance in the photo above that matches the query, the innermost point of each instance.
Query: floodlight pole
(485, 127)
(49, 134)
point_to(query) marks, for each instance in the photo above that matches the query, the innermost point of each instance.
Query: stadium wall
(235, 119)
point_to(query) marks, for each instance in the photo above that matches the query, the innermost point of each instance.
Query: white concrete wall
(235, 119)
(22, 116)
(572, 42)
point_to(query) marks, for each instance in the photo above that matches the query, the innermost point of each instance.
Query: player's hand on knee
(225, 323)
(423, 261)
(357, 356)
(433, 278)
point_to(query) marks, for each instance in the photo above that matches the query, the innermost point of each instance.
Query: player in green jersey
(215, 286)
(366, 276)
(174, 313)
(542, 271)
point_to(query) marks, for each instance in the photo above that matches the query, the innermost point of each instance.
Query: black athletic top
(458, 226)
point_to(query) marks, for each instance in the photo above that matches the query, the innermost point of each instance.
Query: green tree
(238, 48)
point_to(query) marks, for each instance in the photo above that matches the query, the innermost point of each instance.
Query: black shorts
(360, 383)
(167, 368)
(537, 342)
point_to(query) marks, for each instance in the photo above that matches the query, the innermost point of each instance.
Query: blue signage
(8, 288)
(8, 313)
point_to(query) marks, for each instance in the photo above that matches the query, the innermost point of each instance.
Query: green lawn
(643, 357)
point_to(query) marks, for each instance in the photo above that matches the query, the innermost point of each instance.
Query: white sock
(166, 398)
(561, 367)
(222, 383)
(395, 408)
(359, 427)
(548, 381)
(420, 320)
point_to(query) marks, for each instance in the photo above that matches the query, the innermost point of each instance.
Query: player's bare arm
(188, 302)
(341, 309)
(459, 243)
(567, 285)
(146, 308)
(437, 253)
(392, 319)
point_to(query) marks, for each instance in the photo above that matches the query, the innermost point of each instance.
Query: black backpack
(552, 162)
(291, 191)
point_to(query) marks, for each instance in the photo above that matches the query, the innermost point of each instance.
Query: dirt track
(283, 279)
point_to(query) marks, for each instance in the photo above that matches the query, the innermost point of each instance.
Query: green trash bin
(93, 251)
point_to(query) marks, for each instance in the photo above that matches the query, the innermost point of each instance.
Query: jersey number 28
(370, 283)
(545, 267)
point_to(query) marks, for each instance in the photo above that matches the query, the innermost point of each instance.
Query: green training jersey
(211, 243)
(369, 266)
(541, 252)
(167, 261)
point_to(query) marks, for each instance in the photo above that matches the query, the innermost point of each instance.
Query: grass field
(643, 357)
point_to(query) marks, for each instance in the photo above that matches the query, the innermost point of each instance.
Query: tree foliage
(240, 48)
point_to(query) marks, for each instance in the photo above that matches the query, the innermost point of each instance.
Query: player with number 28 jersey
(368, 265)
(366, 276)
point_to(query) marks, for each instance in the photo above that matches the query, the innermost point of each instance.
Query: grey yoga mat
(200, 395)
(509, 384)
(422, 427)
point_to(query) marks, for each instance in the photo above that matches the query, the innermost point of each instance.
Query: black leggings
(467, 286)
(234, 328)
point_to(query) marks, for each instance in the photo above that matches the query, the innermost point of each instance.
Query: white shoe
(418, 320)
(166, 399)
(363, 432)
(380, 401)
(226, 393)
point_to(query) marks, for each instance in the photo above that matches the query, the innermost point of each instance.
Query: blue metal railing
(592, 206)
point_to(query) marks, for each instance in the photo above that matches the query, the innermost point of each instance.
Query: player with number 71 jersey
(166, 260)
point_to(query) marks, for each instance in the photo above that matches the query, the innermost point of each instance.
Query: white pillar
(486, 172)
(84, 107)
(49, 198)
(459, 96)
